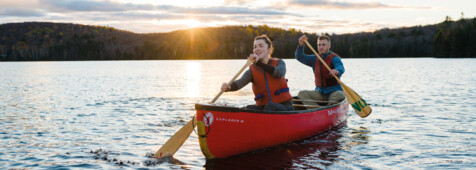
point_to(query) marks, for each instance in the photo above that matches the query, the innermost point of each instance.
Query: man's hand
(334, 72)
(302, 40)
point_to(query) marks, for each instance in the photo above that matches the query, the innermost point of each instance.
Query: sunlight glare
(193, 23)
(184, 23)
(193, 77)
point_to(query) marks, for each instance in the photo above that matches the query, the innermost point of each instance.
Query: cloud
(108, 11)
(116, 11)
(113, 6)
(21, 12)
(232, 10)
(102, 6)
(143, 17)
(238, 1)
(125, 16)
(341, 4)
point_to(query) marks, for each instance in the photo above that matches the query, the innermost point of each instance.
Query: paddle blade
(176, 141)
(359, 104)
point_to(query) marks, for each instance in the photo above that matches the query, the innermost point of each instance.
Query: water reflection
(154, 161)
(360, 136)
(193, 79)
(318, 151)
(54, 113)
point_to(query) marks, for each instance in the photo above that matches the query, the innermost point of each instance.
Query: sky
(312, 16)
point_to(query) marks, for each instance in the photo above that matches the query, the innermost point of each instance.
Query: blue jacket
(309, 60)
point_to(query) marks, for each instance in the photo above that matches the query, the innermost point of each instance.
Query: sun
(192, 23)
(185, 23)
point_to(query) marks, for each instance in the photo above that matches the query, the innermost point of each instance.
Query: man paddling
(327, 87)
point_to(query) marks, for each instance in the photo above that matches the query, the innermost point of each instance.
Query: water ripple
(95, 115)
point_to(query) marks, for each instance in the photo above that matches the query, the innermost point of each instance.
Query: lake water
(96, 114)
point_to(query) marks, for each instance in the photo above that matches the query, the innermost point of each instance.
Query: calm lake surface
(96, 114)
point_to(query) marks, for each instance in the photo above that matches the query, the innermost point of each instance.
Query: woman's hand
(254, 58)
(225, 87)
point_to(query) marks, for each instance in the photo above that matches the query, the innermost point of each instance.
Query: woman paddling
(267, 77)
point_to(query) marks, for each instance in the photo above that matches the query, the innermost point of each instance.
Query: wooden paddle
(177, 140)
(360, 106)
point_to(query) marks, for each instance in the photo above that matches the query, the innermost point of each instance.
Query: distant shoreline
(44, 41)
(224, 59)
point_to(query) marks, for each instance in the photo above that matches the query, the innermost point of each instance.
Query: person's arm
(268, 68)
(304, 58)
(242, 82)
(276, 71)
(338, 65)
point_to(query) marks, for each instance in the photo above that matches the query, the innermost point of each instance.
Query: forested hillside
(455, 39)
(34, 41)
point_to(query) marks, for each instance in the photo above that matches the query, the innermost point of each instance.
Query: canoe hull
(226, 131)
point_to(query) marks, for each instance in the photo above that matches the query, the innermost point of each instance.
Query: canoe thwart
(310, 106)
(316, 101)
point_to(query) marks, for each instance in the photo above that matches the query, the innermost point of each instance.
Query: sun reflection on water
(193, 73)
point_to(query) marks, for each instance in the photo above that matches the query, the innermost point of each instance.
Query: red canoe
(225, 131)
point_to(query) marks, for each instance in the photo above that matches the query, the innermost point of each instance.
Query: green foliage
(455, 39)
(33, 41)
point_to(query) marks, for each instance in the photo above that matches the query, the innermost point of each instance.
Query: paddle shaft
(358, 104)
(248, 62)
(322, 61)
(179, 138)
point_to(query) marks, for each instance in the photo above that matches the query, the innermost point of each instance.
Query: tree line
(43, 41)
(448, 39)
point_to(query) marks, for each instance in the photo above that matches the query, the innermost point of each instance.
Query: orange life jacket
(278, 87)
(322, 77)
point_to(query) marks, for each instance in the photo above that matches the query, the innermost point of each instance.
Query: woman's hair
(267, 41)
